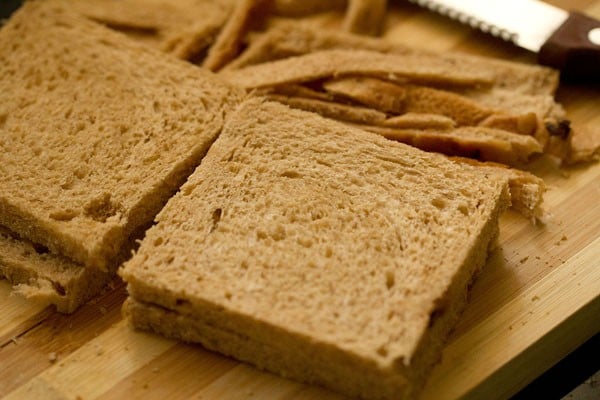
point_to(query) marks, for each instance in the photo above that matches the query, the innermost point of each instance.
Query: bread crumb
(535, 298)
(99, 350)
(522, 260)
(14, 339)
(52, 357)
(562, 239)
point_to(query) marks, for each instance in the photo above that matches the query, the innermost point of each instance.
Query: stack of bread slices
(307, 245)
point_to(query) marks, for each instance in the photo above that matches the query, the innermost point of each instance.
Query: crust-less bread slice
(365, 17)
(293, 39)
(318, 251)
(487, 144)
(96, 131)
(184, 28)
(47, 278)
(330, 63)
(229, 41)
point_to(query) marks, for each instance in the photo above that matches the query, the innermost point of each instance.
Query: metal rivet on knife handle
(575, 48)
(594, 36)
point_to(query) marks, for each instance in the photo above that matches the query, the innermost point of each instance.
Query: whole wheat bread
(97, 131)
(317, 251)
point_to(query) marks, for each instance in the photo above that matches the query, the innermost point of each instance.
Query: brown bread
(96, 131)
(317, 251)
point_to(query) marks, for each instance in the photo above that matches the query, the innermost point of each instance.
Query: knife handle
(574, 48)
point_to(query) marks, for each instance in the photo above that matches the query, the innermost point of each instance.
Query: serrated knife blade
(569, 41)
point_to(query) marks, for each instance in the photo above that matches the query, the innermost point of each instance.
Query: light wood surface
(537, 299)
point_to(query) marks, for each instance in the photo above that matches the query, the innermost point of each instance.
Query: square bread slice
(96, 131)
(318, 251)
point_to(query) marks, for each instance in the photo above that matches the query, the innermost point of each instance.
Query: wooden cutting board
(537, 299)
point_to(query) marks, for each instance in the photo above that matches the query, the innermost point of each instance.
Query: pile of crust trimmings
(497, 112)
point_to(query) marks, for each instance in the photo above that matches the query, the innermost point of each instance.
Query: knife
(569, 41)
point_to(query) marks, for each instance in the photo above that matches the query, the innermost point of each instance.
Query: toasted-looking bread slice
(96, 131)
(317, 251)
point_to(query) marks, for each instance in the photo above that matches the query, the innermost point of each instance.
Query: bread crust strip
(229, 41)
(296, 38)
(365, 17)
(342, 112)
(485, 144)
(333, 63)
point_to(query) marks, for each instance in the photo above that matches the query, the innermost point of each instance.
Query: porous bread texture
(526, 190)
(296, 38)
(45, 277)
(334, 246)
(331, 63)
(184, 28)
(96, 132)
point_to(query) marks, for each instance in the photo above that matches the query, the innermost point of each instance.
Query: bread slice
(332, 63)
(96, 131)
(228, 43)
(45, 277)
(184, 28)
(365, 17)
(294, 38)
(317, 251)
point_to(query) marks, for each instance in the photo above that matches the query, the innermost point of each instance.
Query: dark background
(7, 6)
(555, 383)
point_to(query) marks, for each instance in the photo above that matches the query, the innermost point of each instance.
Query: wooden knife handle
(574, 48)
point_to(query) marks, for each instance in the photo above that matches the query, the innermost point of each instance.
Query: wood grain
(537, 299)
